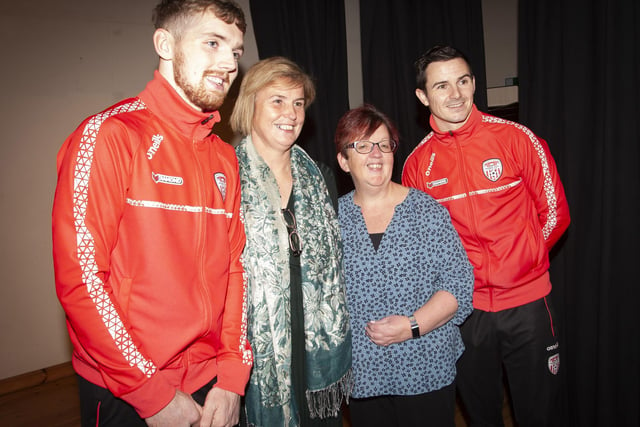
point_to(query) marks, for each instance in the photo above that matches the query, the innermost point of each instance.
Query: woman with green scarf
(298, 321)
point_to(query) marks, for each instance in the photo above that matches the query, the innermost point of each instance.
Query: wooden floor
(50, 398)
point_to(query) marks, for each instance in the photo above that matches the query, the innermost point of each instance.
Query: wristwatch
(415, 329)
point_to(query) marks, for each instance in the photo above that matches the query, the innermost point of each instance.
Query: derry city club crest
(492, 169)
(554, 364)
(221, 182)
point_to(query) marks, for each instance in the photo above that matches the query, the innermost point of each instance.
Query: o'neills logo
(156, 141)
(492, 169)
(158, 178)
(431, 159)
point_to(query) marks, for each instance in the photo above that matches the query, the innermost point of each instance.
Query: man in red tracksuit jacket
(501, 187)
(148, 237)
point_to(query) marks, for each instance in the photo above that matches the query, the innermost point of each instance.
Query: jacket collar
(470, 127)
(163, 101)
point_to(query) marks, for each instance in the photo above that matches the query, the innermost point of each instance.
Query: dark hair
(359, 123)
(436, 54)
(173, 15)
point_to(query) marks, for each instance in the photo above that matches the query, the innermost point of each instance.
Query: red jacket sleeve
(88, 203)
(410, 172)
(541, 178)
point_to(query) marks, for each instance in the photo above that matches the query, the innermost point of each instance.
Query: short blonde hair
(260, 75)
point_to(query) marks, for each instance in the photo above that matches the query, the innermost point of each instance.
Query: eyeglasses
(294, 238)
(365, 147)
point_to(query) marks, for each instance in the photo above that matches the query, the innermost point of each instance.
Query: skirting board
(35, 378)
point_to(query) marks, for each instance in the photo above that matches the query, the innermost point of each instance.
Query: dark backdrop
(579, 64)
(393, 35)
(311, 33)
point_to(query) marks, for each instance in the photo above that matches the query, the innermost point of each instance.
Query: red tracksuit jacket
(147, 239)
(501, 187)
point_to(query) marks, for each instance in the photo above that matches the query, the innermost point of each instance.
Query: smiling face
(448, 93)
(201, 62)
(372, 170)
(278, 116)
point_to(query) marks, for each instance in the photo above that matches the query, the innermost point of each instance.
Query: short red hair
(360, 123)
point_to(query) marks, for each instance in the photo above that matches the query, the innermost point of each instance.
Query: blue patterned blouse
(420, 253)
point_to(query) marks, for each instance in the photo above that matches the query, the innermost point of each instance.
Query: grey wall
(61, 62)
(500, 21)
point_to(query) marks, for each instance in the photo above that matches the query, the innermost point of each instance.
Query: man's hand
(221, 409)
(182, 411)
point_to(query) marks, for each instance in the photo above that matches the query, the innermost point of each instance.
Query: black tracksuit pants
(522, 342)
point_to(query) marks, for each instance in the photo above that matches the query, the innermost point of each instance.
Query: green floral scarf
(266, 262)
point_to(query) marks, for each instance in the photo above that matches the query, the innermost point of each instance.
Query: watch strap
(415, 328)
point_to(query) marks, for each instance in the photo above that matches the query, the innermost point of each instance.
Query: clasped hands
(221, 409)
(389, 330)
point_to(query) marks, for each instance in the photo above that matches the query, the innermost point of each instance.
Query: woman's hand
(389, 330)
(440, 308)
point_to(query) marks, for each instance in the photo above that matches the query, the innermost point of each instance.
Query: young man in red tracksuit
(501, 187)
(147, 237)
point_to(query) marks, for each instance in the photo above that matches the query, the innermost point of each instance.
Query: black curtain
(393, 35)
(579, 69)
(312, 34)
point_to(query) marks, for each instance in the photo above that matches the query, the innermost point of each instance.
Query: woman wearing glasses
(297, 318)
(409, 284)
